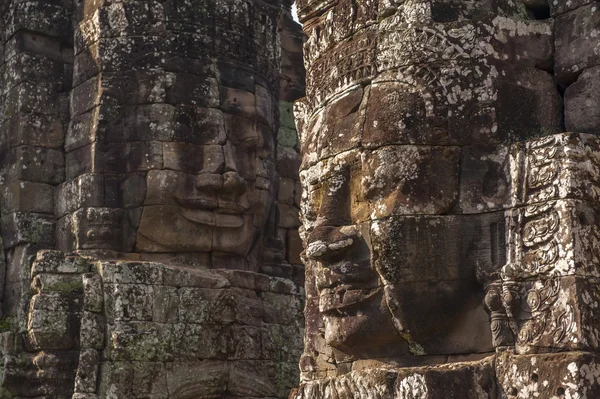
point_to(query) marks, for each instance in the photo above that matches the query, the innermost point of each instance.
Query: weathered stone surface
(440, 201)
(581, 100)
(548, 375)
(442, 216)
(469, 380)
(140, 139)
(575, 41)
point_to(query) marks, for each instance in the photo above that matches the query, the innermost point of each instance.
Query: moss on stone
(6, 324)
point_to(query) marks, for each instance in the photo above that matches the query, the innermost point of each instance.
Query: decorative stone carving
(448, 225)
(150, 251)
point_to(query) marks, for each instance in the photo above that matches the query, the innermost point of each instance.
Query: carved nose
(234, 184)
(326, 244)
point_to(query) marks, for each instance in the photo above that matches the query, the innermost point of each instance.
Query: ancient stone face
(444, 213)
(150, 251)
(407, 171)
(213, 196)
(383, 255)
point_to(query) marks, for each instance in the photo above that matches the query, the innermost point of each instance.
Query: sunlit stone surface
(150, 197)
(450, 227)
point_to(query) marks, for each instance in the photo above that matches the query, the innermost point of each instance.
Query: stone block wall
(143, 141)
(37, 59)
(450, 211)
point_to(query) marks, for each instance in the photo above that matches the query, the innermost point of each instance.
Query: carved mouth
(346, 272)
(197, 203)
(231, 207)
(210, 212)
(343, 299)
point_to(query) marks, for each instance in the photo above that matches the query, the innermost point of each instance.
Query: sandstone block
(50, 330)
(198, 125)
(33, 69)
(294, 247)
(20, 228)
(236, 78)
(472, 380)
(92, 328)
(35, 164)
(98, 228)
(265, 106)
(140, 341)
(129, 302)
(581, 103)
(551, 375)
(486, 181)
(183, 277)
(281, 309)
(195, 90)
(56, 262)
(93, 297)
(288, 216)
(411, 179)
(200, 305)
(56, 302)
(66, 283)
(287, 137)
(553, 239)
(114, 158)
(31, 98)
(288, 162)
(38, 16)
(27, 196)
(555, 314)
(32, 129)
(192, 159)
(216, 339)
(576, 46)
(559, 7)
(146, 273)
(25, 41)
(87, 372)
(286, 115)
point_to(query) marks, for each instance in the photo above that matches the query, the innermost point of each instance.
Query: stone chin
(365, 329)
(171, 228)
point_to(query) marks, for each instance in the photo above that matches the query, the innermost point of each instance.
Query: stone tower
(149, 199)
(451, 226)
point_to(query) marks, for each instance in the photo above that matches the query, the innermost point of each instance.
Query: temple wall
(150, 199)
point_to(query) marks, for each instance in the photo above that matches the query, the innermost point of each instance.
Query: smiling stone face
(391, 279)
(402, 206)
(212, 194)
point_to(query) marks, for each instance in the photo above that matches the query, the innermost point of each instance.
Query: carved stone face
(214, 192)
(395, 275)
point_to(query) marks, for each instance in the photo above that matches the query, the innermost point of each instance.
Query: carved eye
(91, 234)
(105, 234)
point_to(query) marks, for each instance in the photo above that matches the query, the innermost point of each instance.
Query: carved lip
(197, 203)
(210, 218)
(344, 298)
(212, 212)
(219, 206)
(345, 272)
